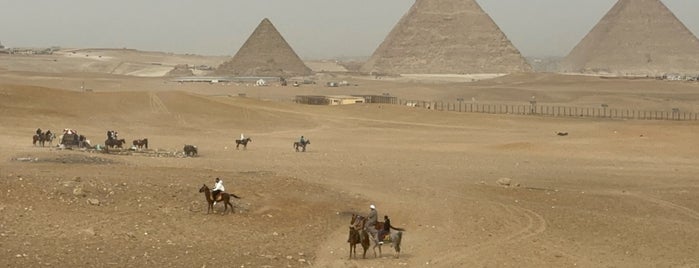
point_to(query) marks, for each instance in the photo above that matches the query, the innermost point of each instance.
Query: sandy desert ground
(613, 193)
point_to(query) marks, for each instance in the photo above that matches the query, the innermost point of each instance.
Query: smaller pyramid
(180, 70)
(636, 37)
(265, 53)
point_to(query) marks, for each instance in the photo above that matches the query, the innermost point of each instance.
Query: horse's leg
(374, 248)
(226, 201)
(355, 254)
(231, 204)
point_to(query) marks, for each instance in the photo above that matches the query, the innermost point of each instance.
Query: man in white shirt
(370, 226)
(218, 188)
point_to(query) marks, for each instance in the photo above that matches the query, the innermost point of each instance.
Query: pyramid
(636, 37)
(265, 53)
(446, 37)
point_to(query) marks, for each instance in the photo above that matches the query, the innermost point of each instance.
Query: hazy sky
(314, 28)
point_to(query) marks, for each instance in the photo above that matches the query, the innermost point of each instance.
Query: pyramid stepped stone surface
(446, 37)
(265, 53)
(636, 37)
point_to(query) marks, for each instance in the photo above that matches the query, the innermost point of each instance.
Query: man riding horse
(372, 219)
(218, 188)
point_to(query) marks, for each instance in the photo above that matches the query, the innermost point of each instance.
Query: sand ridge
(612, 193)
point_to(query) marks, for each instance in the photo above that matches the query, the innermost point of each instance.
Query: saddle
(385, 237)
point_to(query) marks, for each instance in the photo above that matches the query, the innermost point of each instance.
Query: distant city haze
(316, 29)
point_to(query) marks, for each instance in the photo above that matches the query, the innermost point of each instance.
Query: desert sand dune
(612, 193)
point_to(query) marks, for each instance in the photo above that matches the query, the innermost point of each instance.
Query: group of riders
(370, 226)
(40, 133)
(112, 135)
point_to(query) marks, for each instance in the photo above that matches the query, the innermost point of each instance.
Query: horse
(223, 196)
(302, 145)
(393, 238)
(49, 136)
(42, 138)
(115, 143)
(141, 143)
(190, 150)
(37, 138)
(244, 142)
(357, 235)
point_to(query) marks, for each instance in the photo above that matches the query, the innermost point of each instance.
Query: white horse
(393, 238)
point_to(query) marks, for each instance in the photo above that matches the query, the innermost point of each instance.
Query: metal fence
(534, 109)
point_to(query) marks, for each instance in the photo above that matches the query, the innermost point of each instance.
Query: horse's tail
(398, 229)
(233, 195)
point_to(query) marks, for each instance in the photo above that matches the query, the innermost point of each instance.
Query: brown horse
(37, 138)
(141, 143)
(222, 197)
(244, 142)
(301, 145)
(357, 235)
(115, 143)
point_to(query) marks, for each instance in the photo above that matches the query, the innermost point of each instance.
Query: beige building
(329, 100)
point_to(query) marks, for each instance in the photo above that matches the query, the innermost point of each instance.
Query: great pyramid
(265, 53)
(446, 37)
(636, 37)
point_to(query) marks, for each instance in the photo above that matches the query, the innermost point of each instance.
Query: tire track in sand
(533, 224)
(158, 106)
(668, 205)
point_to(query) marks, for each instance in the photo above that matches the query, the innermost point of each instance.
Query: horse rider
(38, 131)
(218, 188)
(372, 218)
(242, 137)
(386, 229)
(302, 140)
